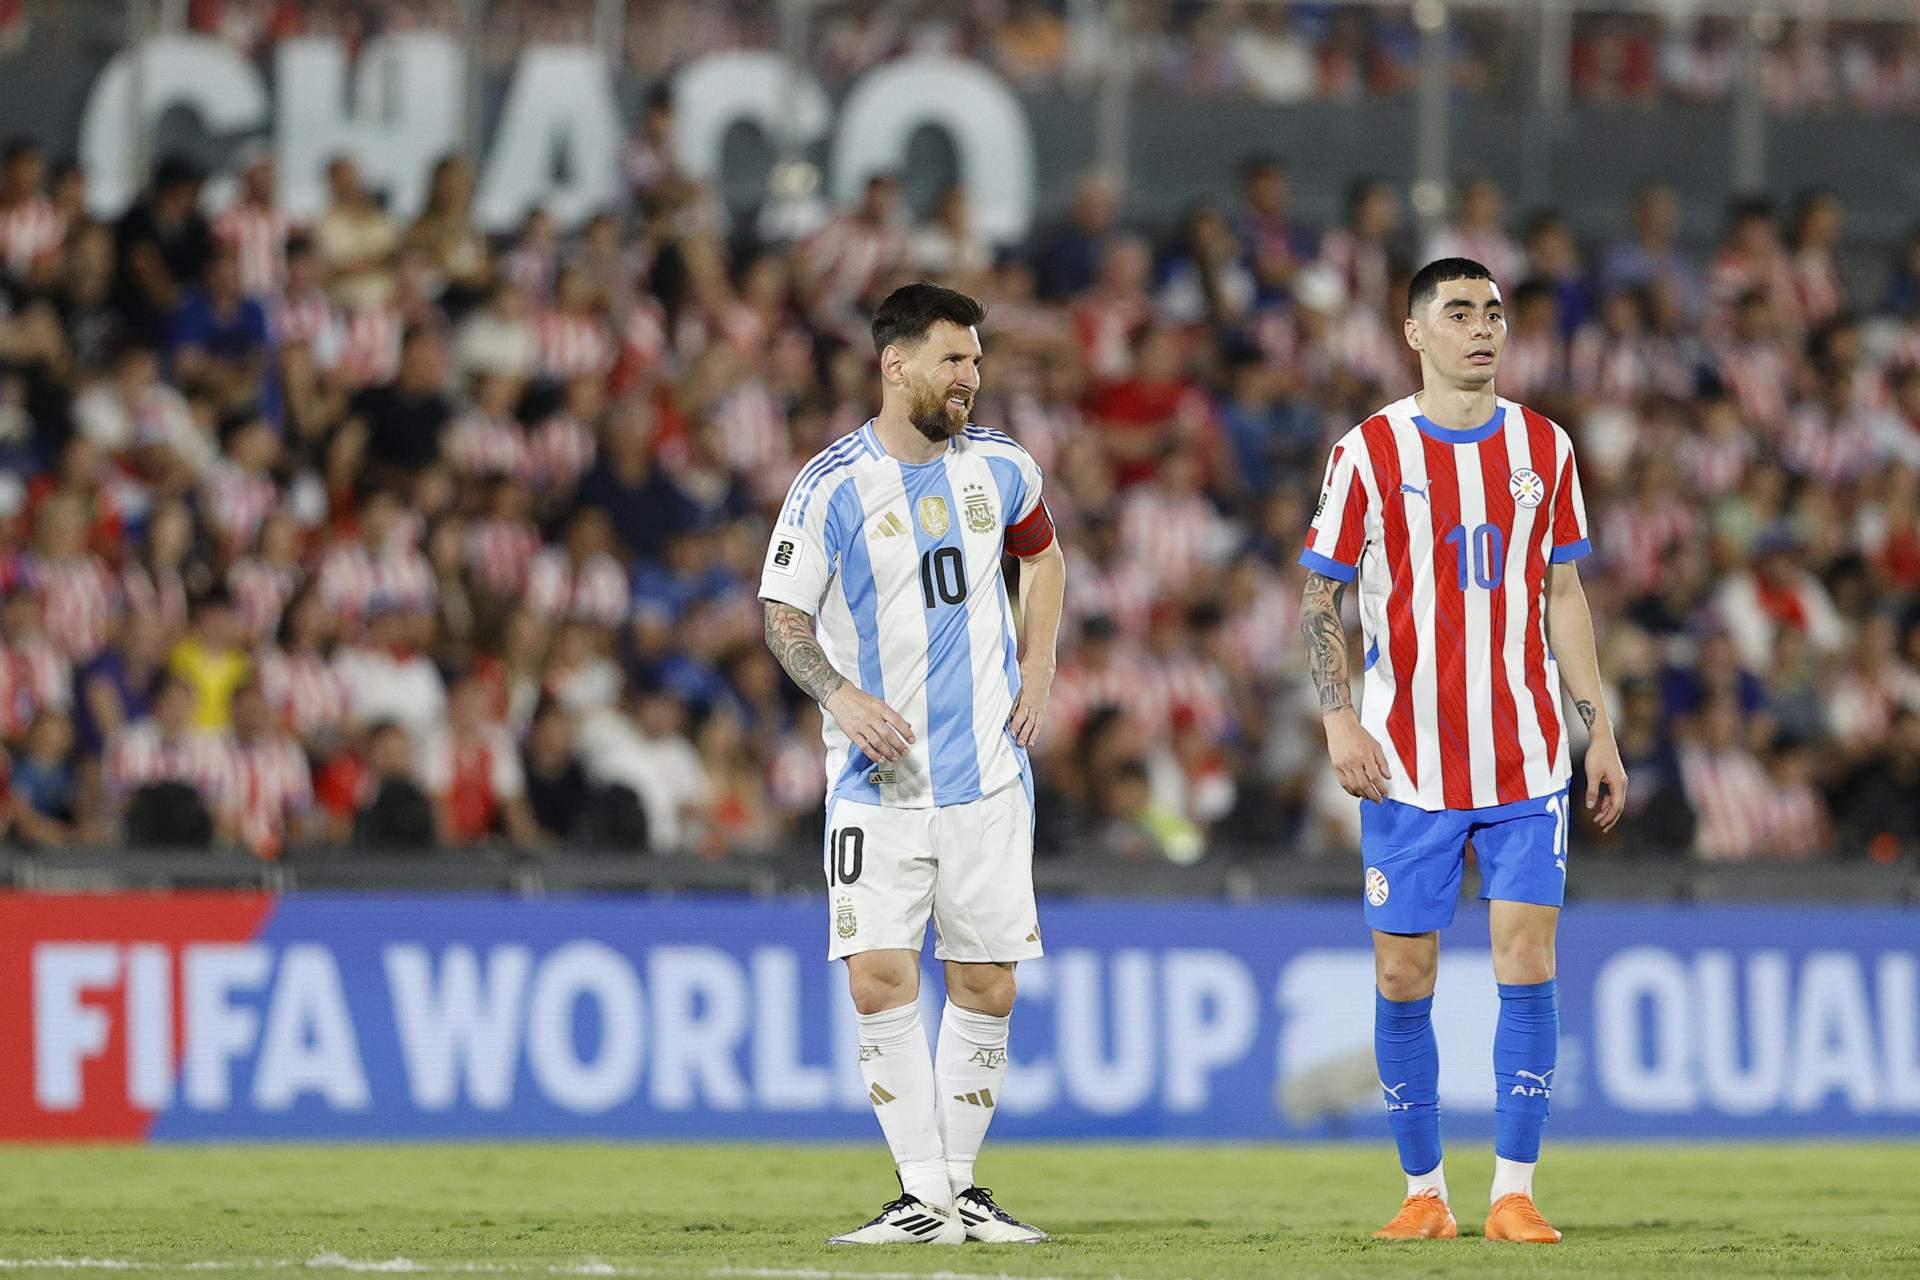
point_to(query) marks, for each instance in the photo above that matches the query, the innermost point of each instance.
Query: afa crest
(933, 516)
(845, 923)
(977, 508)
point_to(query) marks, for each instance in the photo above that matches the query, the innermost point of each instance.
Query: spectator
(643, 747)
(161, 244)
(219, 337)
(470, 767)
(43, 789)
(1478, 231)
(273, 794)
(1065, 258)
(356, 240)
(254, 228)
(557, 790)
(211, 661)
(391, 812)
(176, 781)
(404, 419)
(390, 677)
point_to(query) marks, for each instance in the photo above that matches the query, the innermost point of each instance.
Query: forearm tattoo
(1586, 711)
(790, 636)
(1326, 640)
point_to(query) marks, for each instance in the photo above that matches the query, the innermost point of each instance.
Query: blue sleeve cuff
(1327, 566)
(1572, 551)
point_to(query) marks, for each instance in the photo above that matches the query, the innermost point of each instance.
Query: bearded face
(938, 409)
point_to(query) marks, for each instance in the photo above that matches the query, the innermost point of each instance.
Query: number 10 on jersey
(1488, 547)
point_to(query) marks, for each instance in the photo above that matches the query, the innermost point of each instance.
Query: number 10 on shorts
(846, 855)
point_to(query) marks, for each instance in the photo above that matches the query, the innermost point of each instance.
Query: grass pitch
(1139, 1212)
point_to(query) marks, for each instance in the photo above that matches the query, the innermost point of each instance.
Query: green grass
(1142, 1212)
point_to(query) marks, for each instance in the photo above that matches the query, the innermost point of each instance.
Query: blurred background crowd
(389, 533)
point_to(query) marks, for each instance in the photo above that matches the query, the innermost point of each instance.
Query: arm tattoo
(790, 636)
(1586, 711)
(1326, 640)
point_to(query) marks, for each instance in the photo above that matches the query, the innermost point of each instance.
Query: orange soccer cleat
(1420, 1218)
(1513, 1217)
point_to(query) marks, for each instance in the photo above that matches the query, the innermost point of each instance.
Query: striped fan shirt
(1449, 534)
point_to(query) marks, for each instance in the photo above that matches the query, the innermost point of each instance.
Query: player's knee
(1523, 959)
(879, 989)
(1408, 977)
(985, 989)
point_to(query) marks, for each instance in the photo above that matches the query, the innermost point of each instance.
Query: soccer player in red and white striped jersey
(1459, 514)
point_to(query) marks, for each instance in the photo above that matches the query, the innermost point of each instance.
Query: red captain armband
(1033, 535)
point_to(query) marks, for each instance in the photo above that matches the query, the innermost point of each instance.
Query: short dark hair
(1427, 280)
(912, 309)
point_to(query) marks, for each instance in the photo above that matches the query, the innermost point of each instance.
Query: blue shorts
(1415, 856)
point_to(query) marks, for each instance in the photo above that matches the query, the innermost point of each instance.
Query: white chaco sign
(559, 136)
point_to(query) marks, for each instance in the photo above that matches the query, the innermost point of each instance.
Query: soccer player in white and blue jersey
(885, 602)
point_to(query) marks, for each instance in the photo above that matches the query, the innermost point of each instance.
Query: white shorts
(969, 866)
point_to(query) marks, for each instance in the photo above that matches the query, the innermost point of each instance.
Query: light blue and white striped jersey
(899, 563)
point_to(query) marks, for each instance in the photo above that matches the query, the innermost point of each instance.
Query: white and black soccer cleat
(988, 1222)
(909, 1220)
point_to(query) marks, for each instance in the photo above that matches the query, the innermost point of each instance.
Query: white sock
(898, 1068)
(1431, 1183)
(1510, 1176)
(972, 1065)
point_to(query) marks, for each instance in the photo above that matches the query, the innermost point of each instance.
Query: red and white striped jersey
(258, 237)
(235, 501)
(597, 592)
(309, 320)
(304, 691)
(144, 754)
(33, 677)
(1731, 797)
(481, 444)
(1449, 534)
(562, 450)
(29, 231)
(572, 344)
(260, 592)
(160, 592)
(77, 600)
(1638, 538)
(351, 576)
(500, 553)
(370, 347)
(272, 783)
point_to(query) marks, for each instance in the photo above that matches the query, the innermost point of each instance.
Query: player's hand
(1605, 770)
(1030, 708)
(1358, 761)
(874, 727)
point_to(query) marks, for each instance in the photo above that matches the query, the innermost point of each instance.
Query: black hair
(912, 309)
(18, 146)
(1427, 280)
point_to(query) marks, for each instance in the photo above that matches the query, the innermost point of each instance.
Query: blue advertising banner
(342, 1017)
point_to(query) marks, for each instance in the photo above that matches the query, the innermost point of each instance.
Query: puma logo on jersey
(1542, 1089)
(1420, 493)
(890, 526)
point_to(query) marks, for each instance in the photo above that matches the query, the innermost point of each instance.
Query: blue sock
(1409, 1060)
(1526, 1047)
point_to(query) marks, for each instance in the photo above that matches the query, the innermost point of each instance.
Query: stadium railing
(1222, 876)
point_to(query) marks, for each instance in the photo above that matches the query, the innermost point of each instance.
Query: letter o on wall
(592, 971)
(978, 111)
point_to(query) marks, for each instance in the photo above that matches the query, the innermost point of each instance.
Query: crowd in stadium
(1266, 49)
(386, 532)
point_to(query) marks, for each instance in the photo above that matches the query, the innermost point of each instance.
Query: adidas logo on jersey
(890, 526)
(982, 1098)
(879, 1096)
